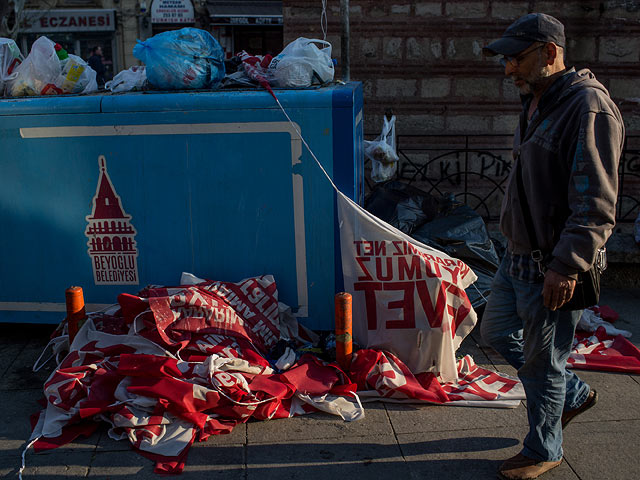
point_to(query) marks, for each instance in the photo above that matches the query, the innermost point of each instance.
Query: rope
(24, 453)
(295, 127)
(323, 20)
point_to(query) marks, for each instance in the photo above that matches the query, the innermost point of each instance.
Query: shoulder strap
(536, 253)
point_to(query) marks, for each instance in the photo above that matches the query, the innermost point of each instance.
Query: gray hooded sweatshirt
(569, 155)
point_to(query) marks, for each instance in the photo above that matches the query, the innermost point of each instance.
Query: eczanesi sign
(43, 21)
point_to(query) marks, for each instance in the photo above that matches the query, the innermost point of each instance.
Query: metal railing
(475, 168)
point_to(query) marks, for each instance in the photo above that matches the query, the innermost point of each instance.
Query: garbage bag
(188, 58)
(442, 223)
(133, 78)
(382, 152)
(300, 62)
(76, 76)
(38, 73)
(49, 70)
(10, 58)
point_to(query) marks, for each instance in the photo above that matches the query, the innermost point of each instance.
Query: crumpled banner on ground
(175, 366)
(603, 352)
(382, 376)
(408, 298)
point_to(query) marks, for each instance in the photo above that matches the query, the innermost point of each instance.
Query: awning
(240, 12)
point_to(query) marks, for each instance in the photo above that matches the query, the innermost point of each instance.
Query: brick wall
(424, 58)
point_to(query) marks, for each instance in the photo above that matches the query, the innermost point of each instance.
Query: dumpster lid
(335, 96)
(50, 104)
(332, 96)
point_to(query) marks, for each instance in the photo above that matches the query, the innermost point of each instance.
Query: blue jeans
(537, 342)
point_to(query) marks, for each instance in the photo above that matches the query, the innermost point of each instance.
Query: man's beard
(536, 79)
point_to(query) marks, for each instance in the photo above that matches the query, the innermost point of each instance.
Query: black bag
(587, 289)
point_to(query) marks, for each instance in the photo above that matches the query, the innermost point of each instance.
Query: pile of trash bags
(188, 58)
(47, 70)
(192, 58)
(443, 223)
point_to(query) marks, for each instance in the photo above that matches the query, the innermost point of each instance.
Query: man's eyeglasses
(515, 61)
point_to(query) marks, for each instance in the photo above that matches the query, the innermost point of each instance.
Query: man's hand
(557, 290)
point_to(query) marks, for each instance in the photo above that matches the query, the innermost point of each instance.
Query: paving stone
(466, 455)
(359, 458)
(8, 354)
(598, 450)
(220, 463)
(617, 397)
(417, 418)
(47, 467)
(20, 375)
(321, 425)
(15, 428)
(619, 300)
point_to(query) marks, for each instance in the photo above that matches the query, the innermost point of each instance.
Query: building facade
(116, 25)
(424, 58)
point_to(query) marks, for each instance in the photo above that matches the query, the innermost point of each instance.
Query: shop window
(258, 41)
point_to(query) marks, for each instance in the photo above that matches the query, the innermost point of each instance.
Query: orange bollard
(344, 340)
(75, 311)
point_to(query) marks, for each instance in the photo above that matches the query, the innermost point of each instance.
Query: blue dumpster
(116, 192)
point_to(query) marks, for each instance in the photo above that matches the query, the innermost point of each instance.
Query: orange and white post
(344, 330)
(75, 310)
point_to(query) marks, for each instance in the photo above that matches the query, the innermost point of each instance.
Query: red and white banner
(247, 310)
(164, 391)
(603, 352)
(382, 376)
(408, 298)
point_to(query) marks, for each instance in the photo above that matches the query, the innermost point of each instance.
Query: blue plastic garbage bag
(188, 58)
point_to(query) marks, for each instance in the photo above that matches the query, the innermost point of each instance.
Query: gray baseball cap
(534, 27)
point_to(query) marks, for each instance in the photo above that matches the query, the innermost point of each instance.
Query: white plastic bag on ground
(38, 73)
(10, 58)
(132, 79)
(76, 76)
(590, 321)
(301, 62)
(382, 152)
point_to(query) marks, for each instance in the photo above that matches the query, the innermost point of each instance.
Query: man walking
(562, 190)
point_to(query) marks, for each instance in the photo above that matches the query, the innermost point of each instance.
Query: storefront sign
(172, 11)
(50, 21)
(246, 21)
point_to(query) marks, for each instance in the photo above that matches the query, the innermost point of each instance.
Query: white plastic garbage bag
(10, 58)
(43, 72)
(301, 62)
(382, 152)
(38, 73)
(76, 76)
(590, 321)
(133, 78)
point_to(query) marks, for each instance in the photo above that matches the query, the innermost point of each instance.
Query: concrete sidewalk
(392, 442)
